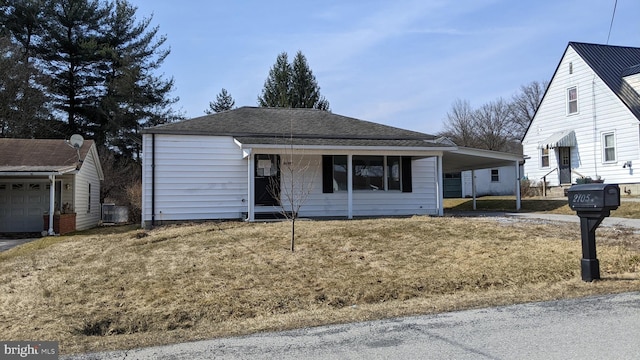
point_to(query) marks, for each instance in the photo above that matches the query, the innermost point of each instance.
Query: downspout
(52, 199)
(153, 180)
(595, 128)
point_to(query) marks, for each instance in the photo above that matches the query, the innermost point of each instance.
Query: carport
(465, 159)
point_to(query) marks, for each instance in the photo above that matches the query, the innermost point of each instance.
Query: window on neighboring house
(369, 173)
(609, 147)
(495, 175)
(544, 158)
(572, 100)
(89, 199)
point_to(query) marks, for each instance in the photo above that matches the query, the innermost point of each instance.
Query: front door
(564, 164)
(267, 179)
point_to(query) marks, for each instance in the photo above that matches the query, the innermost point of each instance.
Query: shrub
(530, 188)
(134, 197)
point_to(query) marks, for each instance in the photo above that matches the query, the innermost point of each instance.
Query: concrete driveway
(7, 243)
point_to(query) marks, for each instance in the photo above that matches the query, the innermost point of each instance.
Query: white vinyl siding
(506, 185)
(196, 178)
(87, 193)
(633, 81)
(599, 111)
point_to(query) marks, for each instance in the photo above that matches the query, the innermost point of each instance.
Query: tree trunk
(293, 234)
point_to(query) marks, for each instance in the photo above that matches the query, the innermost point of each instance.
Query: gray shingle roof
(260, 125)
(40, 155)
(611, 64)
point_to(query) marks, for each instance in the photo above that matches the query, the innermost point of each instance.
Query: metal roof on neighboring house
(631, 71)
(40, 155)
(611, 64)
(264, 125)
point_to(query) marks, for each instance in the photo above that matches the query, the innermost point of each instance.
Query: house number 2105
(581, 198)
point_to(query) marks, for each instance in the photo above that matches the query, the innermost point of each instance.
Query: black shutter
(327, 174)
(406, 174)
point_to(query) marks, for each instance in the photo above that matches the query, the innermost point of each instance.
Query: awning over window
(565, 138)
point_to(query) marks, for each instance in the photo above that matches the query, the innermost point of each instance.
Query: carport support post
(52, 202)
(473, 188)
(251, 182)
(589, 265)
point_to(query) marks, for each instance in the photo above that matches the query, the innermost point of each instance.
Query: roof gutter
(344, 147)
(35, 173)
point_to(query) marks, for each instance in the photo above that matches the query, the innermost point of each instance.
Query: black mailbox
(594, 197)
(592, 203)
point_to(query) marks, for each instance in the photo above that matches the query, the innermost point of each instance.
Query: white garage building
(43, 176)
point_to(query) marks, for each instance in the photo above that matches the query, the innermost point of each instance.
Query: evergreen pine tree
(100, 65)
(278, 85)
(292, 85)
(223, 102)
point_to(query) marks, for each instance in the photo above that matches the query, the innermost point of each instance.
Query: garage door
(22, 205)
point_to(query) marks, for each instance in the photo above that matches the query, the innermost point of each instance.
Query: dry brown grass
(130, 288)
(628, 208)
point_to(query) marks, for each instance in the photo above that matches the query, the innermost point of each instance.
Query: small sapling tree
(298, 172)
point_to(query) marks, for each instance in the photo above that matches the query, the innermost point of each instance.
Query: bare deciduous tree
(525, 104)
(298, 172)
(460, 124)
(497, 125)
(494, 125)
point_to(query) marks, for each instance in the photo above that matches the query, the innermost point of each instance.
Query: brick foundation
(62, 224)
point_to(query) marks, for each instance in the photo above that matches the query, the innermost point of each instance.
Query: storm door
(564, 164)
(267, 179)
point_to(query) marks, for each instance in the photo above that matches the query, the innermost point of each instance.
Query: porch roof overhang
(454, 159)
(564, 138)
(411, 147)
(463, 159)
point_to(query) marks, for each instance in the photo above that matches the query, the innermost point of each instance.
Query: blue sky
(400, 63)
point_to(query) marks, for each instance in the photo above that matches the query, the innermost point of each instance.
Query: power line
(612, 17)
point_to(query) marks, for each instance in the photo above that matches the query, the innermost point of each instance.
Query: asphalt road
(603, 327)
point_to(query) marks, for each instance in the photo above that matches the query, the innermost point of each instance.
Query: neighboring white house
(29, 168)
(222, 166)
(587, 124)
(493, 181)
